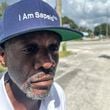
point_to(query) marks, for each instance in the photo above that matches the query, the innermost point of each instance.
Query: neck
(19, 99)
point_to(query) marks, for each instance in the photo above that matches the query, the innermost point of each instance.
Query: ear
(2, 57)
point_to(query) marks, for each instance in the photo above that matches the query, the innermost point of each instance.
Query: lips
(41, 81)
(39, 77)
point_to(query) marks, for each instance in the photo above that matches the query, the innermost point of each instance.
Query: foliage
(64, 47)
(2, 68)
(85, 29)
(64, 52)
(66, 20)
(3, 5)
(102, 29)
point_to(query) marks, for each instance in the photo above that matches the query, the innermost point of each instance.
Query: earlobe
(5, 61)
(2, 58)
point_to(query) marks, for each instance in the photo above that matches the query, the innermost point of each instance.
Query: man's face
(31, 60)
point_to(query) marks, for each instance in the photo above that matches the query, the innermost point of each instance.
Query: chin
(35, 93)
(37, 87)
(36, 97)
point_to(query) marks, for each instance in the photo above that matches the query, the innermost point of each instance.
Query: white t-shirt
(55, 100)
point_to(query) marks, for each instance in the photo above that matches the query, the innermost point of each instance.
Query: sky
(87, 13)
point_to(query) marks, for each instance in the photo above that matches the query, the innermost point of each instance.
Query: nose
(45, 64)
(48, 65)
(45, 60)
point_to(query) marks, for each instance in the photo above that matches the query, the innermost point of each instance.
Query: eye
(53, 47)
(31, 49)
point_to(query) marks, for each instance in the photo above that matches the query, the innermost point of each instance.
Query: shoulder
(55, 100)
(1, 82)
(58, 95)
(56, 87)
(1, 90)
(1, 87)
(1, 74)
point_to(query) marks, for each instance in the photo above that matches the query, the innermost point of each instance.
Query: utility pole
(107, 23)
(59, 9)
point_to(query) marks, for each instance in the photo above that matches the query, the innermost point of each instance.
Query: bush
(2, 68)
(64, 52)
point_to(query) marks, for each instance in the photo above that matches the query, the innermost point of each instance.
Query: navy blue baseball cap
(33, 15)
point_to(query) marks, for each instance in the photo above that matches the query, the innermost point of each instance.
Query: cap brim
(66, 33)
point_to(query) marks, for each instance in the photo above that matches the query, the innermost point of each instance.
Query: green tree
(70, 22)
(3, 5)
(85, 29)
(102, 29)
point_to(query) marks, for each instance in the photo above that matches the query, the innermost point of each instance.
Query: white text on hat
(37, 15)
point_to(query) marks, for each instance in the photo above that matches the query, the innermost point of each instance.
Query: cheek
(18, 70)
(55, 56)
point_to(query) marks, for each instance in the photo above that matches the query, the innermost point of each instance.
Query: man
(30, 42)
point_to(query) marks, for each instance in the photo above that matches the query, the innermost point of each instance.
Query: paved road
(85, 75)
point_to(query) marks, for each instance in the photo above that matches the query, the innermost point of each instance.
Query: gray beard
(28, 91)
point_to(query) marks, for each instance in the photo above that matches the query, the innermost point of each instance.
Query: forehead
(39, 37)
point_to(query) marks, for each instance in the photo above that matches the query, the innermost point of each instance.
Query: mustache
(41, 74)
(39, 77)
(47, 71)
